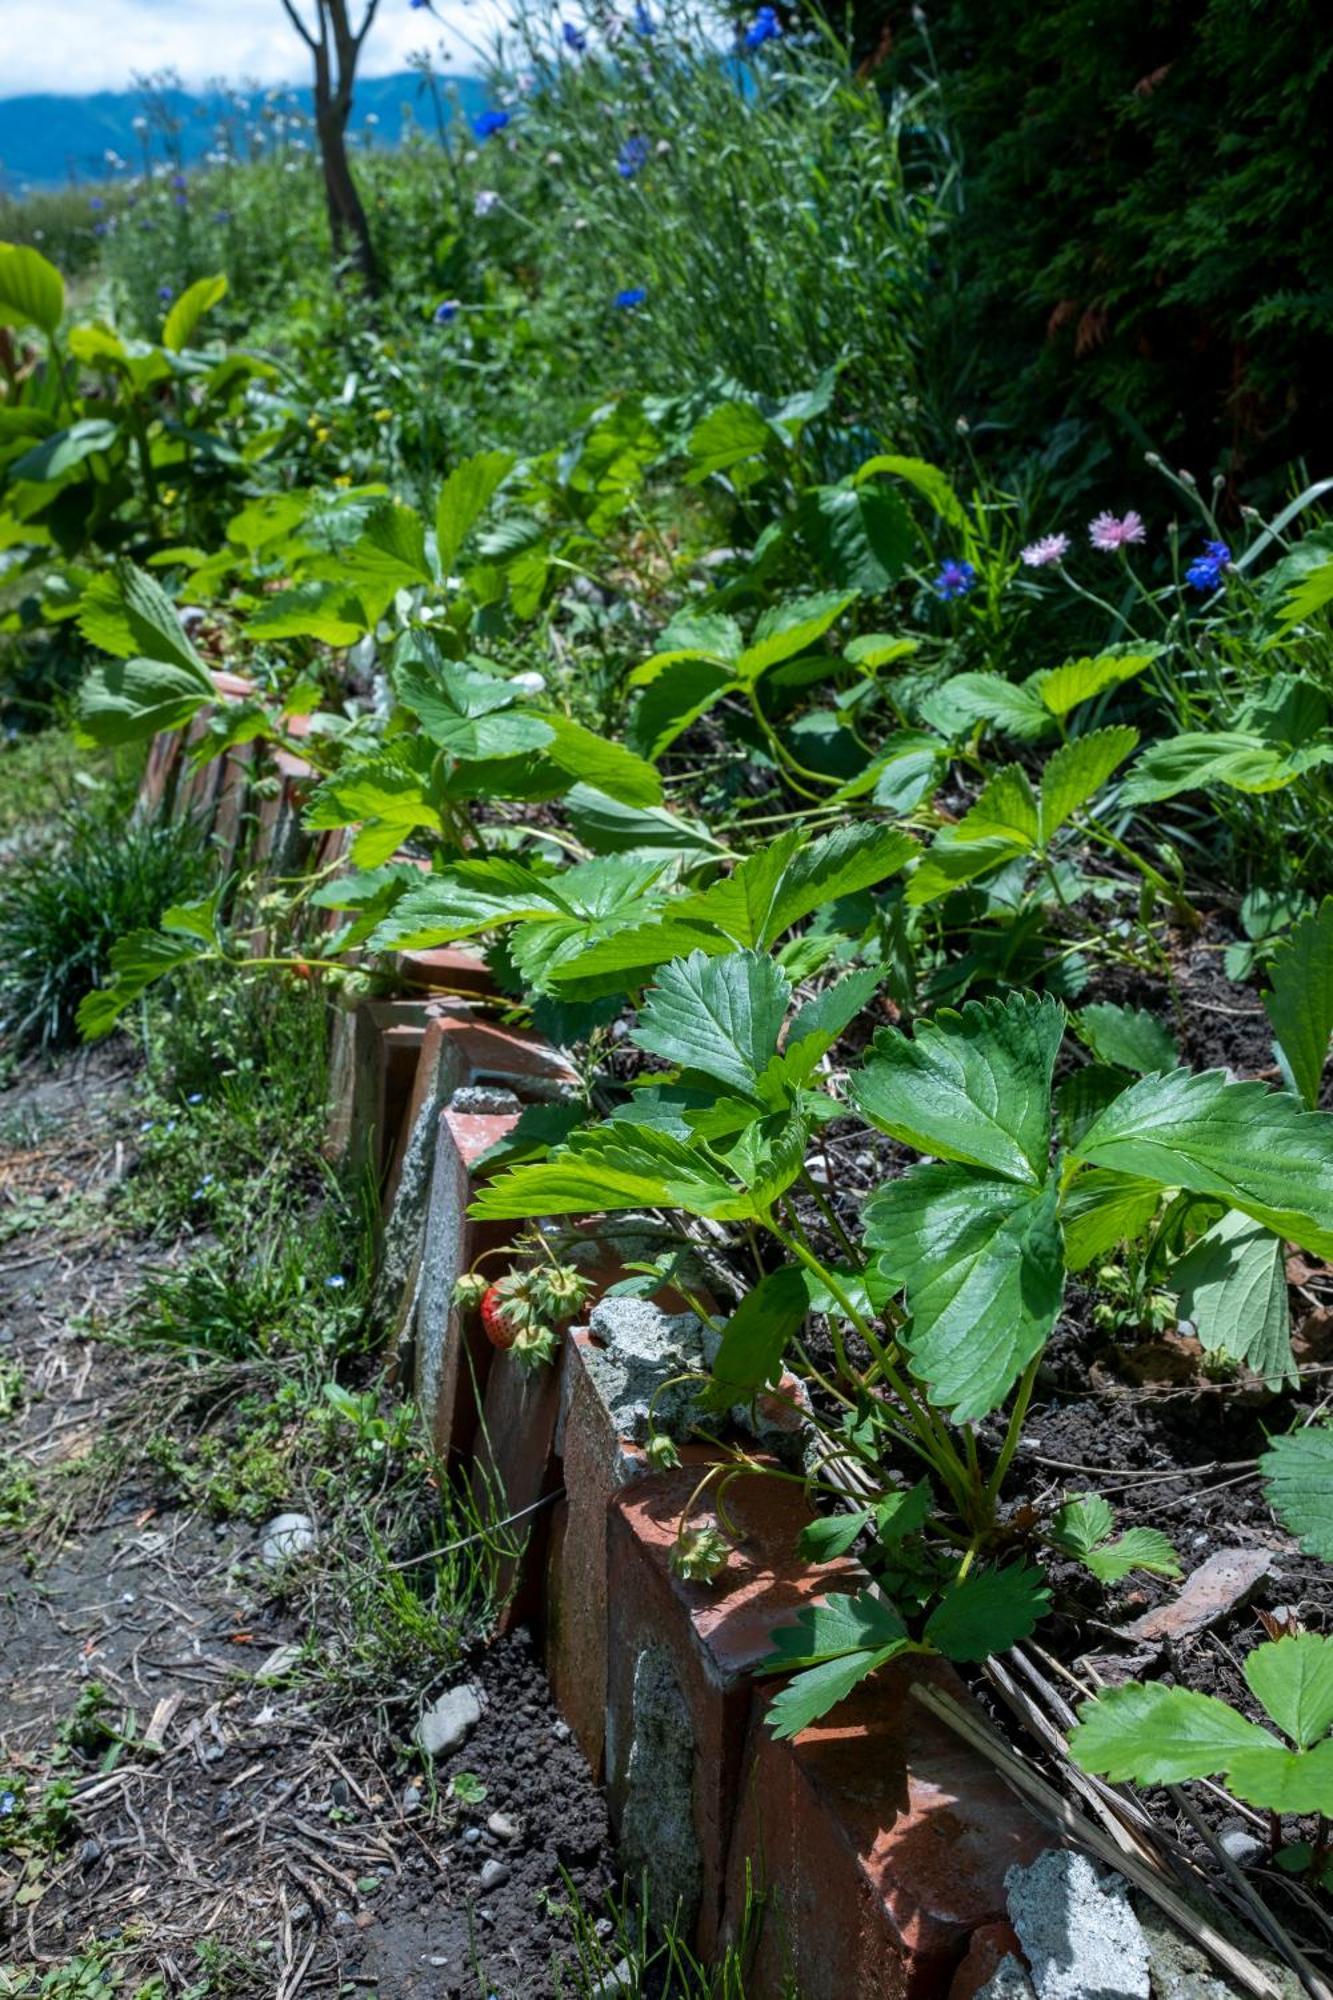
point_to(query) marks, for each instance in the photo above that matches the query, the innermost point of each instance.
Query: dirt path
(174, 1805)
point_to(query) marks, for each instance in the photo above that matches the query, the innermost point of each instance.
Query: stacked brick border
(877, 1842)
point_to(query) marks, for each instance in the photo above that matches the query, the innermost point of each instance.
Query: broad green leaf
(1005, 810)
(1293, 1678)
(602, 762)
(872, 650)
(778, 885)
(1063, 688)
(1300, 1002)
(183, 320)
(126, 612)
(927, 479)
(616, 1167)
(469, 714)
(1298, 1479)
(469, 897)
(836, 1624)
(757, 1333)
(1077, 772)
(136, 961)
(391, 553)
(1138, 1548)
(1233, 1286)
(813, 1693)
(1149, 1734)
(817, 1026)
(981, 1262)
(830, 1536)
(789, 629)
(464, 498)
(952, 863)
(1308, 593)
(55, 456)
(965, 699)
(989, 1611)
(1252, 1147)
(1191, 762)
(1080, 1524)
(381, 795)
(726, 437)
(608, 826)
(1284, 1781)
(319, 610)
(861, 537)
(127, 701)
(695, 635)
(678, 696)
(32, 291)
(721, 1016)
(972, 1086)
(1102, 1209)
(1127, 1037)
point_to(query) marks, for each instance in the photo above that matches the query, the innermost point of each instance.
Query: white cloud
(75, 46)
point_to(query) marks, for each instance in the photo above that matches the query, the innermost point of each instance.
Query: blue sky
(76, 46)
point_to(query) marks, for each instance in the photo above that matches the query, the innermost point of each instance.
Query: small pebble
(472, 1834)
(492, 1875)
(561, 1731)
(343, 1920)
(502, 1826)
(90, 1851)
(411, 1800)
(300, 1913)
(1241, 1846)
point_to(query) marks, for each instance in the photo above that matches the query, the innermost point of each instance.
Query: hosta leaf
(1300, 1003)
(1149, 1734)
(677, 697)
(1128, 1037)
(55, 456)
(182, 321)
(861, 537)
(1298, 1479)
(32, 291)
(602, 762)
(789, 629)
(988, 1611)
(1293, 1678)
(812, 1694)
(464, 498)
(1253, 1147)
(1284, 1781)
(1233, 1286)
(469, 714)
(981, 1262)
(1102, 1209)
(616, 1167)
(1063, 688)
(720, 1016)
(757, 1333)
(973, 1086)
(1077, 772)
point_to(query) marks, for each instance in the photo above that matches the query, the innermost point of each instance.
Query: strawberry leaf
(988, 1611)
(1298, 1475)
(1293, 1678)
(1156, 1735)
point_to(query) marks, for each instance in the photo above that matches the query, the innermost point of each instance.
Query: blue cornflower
(765, 27)
(178, 180)
(8, 1804)
(95, 202)
(419, 3)
(635, 296)
(222, 215)
(336, 1282)
(632, 156)
(101, 229)
(574, 38)
(445, 311)
(1205, 572)
(195, 1097)
(487, 123)
(955, 579)
(644, 24)
(166, 293)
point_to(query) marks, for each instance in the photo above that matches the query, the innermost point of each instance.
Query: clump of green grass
(97, 873)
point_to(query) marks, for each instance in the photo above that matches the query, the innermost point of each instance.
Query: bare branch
(372, 7)
(299, 25)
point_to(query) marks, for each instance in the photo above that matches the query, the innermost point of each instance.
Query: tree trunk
(333, 108)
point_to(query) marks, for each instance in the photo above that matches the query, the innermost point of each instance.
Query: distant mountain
(47, 141)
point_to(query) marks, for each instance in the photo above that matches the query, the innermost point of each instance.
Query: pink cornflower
(1109, 534)
(1051, 548)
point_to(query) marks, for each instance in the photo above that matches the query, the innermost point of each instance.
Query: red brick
(159, 776)
(880, 1842)
(986, 1952)
(514, 1468)
(527, 1064)
(372, 1066)
(714, 1636)
(231, 687)
(450, 968)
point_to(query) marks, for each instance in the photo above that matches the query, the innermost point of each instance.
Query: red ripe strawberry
(498, 1329)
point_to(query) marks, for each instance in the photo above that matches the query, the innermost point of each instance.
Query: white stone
(1078, 1932)
(285, 1536)
(448, 1722)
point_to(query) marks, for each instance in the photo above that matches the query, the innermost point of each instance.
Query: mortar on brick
(657, 1835)
(635, 1352)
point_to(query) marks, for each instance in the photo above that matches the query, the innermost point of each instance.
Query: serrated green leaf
(1195, 760)
(137, 960)
(469, 714)
(1293, 1678)
(678, 696)
(1233, 1286)
(470, 897)
(721, 1016)
(1076, 772)
(32, 291)
(1149, 1734)
(861, 538)
(1252, 1147)
(608, 826)
(1138, 1548)
(154, 627)
(1298, 1480)
(322, 610)
(901, 1513)
(981, 1262)
(788, 629)
(726, 437)
(1063, 688)
(1284, 1781)
(836, 1624)
(127, 701)
(602, 762)
(1300, 1001)
(813, 1693)
(988, 1611)
(616, 1167)
(817, 1026)
(829, 1537)
(973, 1086)
(756, 1335)
(775, 887)
(464, 498)
(1080, 1524)
(1102, 1209)
(1128, 1037)
(966, 699)
(1005, 810)
(182, 321)
(951, 864)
